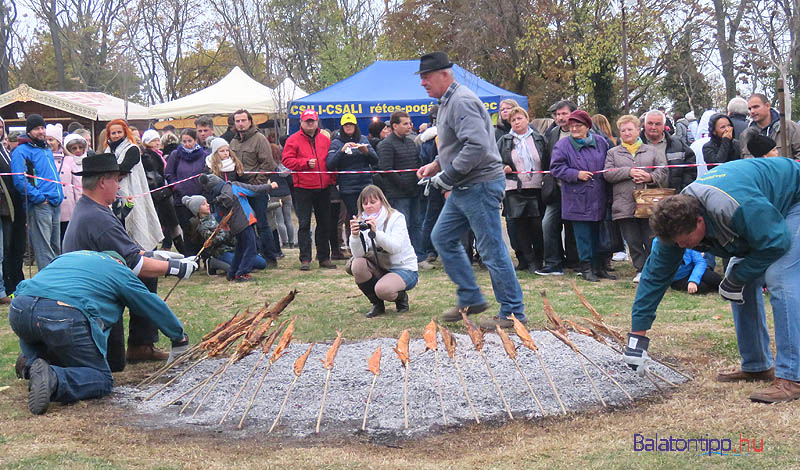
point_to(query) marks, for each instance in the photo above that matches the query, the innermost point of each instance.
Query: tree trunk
(725, 49)
(8, 14)
(55, 34)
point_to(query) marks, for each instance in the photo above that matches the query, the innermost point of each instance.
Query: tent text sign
(374, 109)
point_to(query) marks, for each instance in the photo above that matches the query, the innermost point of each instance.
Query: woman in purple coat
(583, 193)
(187, 160)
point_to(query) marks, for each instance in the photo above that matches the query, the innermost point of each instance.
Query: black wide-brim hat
(433, 61)
(99, 164)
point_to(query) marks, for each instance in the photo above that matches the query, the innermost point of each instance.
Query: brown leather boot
(780, 390)
(454, 314)
(145, 352)
(738, 375)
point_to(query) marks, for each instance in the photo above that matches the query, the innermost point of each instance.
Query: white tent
(288, 91)
(235, 91)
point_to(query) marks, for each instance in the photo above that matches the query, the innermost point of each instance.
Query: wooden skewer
(603, 371)
(530, 389)
(241, 389)
(163, 369)
(550, 379)
(183, 372)
(499, 389)
(201, 387)
(253, 397)
(466, 394)
(663, 379)
(439, 384)
(366, 408)
(594, 387)
(324, 395)
(405, 395)
(212, 387)
(285, 399)
(200, 384)
(655, 384)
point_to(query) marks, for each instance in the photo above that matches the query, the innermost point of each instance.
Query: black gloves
(730, 290)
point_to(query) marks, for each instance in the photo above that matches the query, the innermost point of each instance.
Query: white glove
(635, 354)
(163, 255)
(441, 181)
(182, 268)
(178, 348)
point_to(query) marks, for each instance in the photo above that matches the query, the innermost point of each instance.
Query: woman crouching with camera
(384, 264)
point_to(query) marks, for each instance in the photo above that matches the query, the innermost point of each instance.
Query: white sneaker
(637, 278)
(620, 256)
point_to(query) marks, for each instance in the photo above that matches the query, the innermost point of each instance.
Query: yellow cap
(349, 118)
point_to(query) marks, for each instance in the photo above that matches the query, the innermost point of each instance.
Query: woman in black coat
(722, 147)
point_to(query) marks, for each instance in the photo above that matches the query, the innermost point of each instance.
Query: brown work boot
(145, 352)
(738, 375)
(328, 264)
(454, 314)
(780, 390)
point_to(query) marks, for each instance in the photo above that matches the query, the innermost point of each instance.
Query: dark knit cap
(582, 117)
(34, 121)
(760, 145)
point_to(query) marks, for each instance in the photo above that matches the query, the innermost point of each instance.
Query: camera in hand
(363, 225)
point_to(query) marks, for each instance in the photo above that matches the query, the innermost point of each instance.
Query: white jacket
(394, 245)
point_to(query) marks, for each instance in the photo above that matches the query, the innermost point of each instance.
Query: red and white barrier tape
(354, 172)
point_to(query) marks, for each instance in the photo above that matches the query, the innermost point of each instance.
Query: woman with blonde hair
(625, 174)
(223, 162)
(384, 263)
(602, 123)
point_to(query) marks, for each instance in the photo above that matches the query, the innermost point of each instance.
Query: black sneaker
(41, 387)
(550, 271)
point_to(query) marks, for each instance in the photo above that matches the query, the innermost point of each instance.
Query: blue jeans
(477, 206)
(45, 230)
(266, 243)
(434, 203)
(245, 254)
(586, 238)
(61, 335)
(411, 208)
(752, 335)
(227, 258)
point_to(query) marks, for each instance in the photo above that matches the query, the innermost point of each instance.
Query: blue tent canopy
(385, 87)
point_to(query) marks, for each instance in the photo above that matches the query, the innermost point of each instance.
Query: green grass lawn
(694, 331)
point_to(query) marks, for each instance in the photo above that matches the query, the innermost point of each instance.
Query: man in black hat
(469, 167)
(93, 226)
(43, 193)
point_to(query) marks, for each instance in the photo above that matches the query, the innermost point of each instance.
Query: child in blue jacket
(694, 276)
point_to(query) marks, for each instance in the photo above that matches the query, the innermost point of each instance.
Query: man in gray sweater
(469, 168)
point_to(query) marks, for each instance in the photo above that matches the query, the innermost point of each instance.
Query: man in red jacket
(305, 153)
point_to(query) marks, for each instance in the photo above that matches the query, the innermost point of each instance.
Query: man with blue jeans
(63, 317)
(470, 168)
(748, 210)
(398, 151)
(44, 194)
